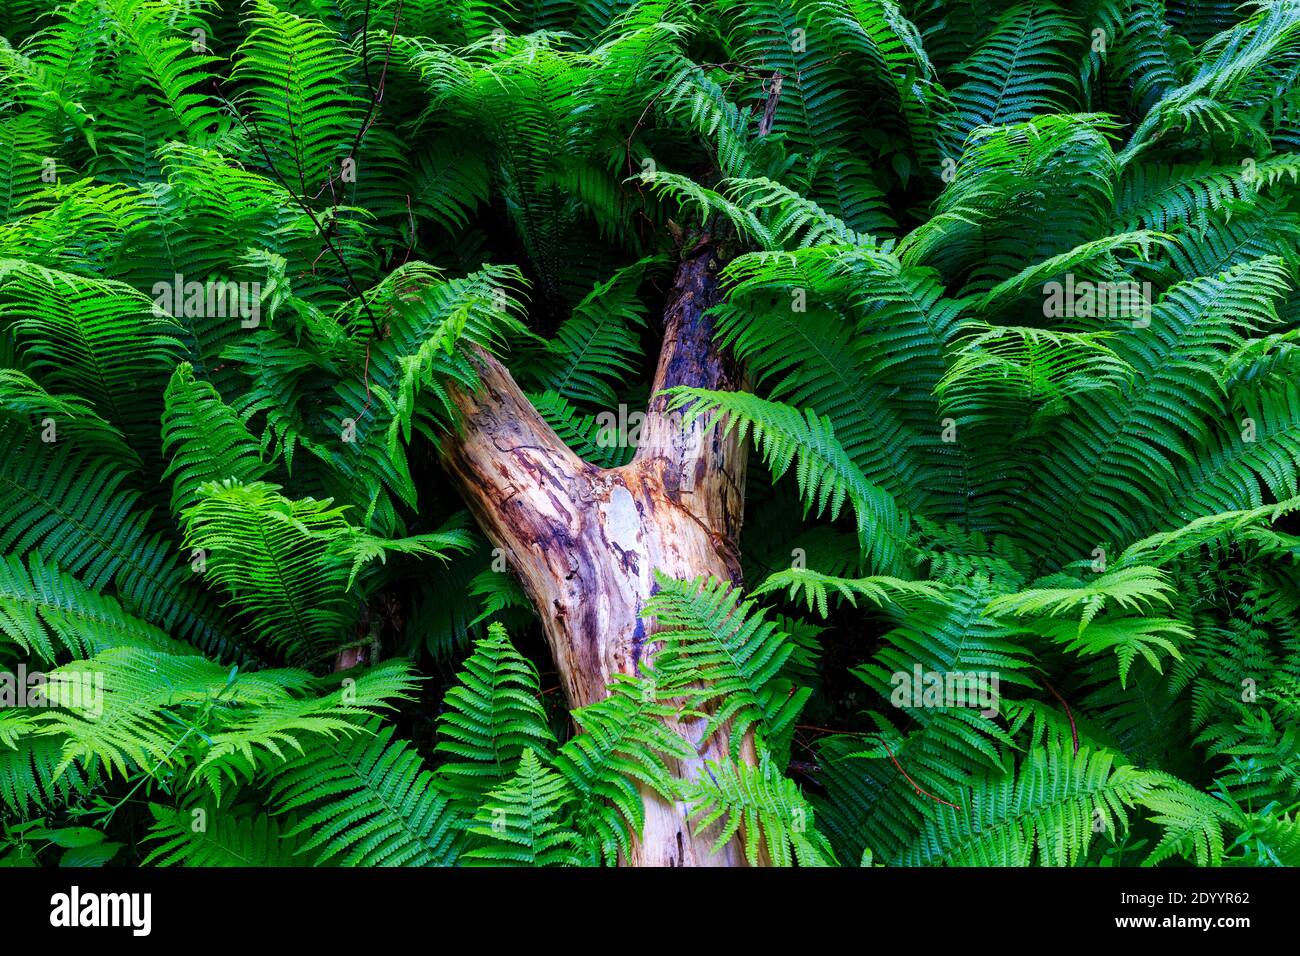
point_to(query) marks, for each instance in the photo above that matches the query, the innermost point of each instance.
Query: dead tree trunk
(585, 541)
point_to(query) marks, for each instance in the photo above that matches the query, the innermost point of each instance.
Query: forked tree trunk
(585, 541)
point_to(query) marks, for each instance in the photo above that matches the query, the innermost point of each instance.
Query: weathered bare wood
(586, 541)
(700, 469)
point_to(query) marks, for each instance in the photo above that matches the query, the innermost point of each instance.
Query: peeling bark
(585, 541)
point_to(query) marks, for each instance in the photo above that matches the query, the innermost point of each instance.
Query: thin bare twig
(866, 733)
(1074, 732)
(255, 134)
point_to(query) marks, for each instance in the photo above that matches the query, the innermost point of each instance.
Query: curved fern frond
(720, 654)
(1049, 808)
(279, 560)
(24, 400)
(598, 345)
(299, 102)
(367, 800)
(826, 477)
(815, 588)
(101, 340)
(765, 806)
(205, 440)
(623, 745)
(1021, 70)
(39, 606)
(208, 837)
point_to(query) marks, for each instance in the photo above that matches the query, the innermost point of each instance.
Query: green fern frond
(1134, 588)
(33, 776)
(24, 400)
(623, 746)
(489, 718)
(721, 655)
(1022, 69)
(522, 822)
(766, 807)
(205, 440)
(1049, 809)
(39, 606)
(367, 800)
(79, 513)
(815, 587)
(826, 477)
(299, 103)
(101, 340)
(588, 435)
(598, 345)
(277, 558)
(214, 837)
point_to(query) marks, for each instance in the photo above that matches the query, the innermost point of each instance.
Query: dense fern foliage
(1015, 286)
